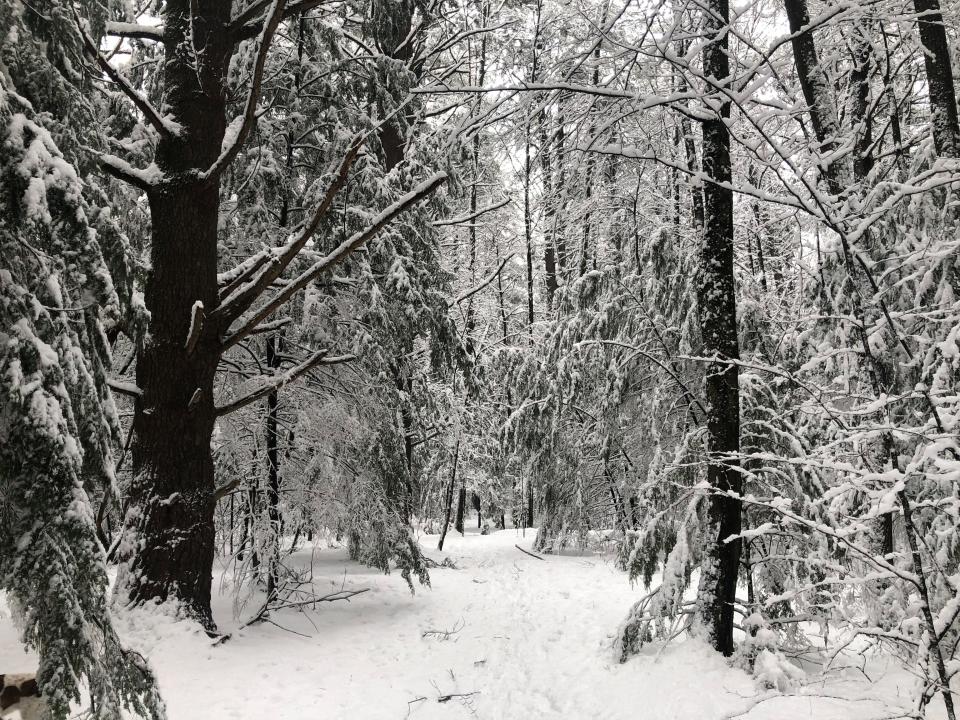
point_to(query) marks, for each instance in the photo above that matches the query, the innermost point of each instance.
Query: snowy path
(531, 639)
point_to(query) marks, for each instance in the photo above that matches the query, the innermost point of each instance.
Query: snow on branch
(135, 30)
(336, 256)
(124, 388)
(233, 144)
(162, 124)
(471, 216)
(122, 170)
(269, 383)
(263, 269)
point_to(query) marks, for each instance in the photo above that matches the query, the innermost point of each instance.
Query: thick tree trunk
(172, 496)
(716, 300)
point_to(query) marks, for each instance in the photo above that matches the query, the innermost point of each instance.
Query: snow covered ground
(528, 639)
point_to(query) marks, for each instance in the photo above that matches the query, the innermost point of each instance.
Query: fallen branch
(527, 552)
(447, 698)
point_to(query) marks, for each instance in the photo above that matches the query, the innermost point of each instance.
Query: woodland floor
(528, 639)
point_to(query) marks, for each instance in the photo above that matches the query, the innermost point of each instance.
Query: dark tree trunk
(461, 509)
(940, 86)
(716, 300)
(860, 101)
(449, 494)
(816, 92)
(529, 513)
(273, 473)
(549, 216)
(172, 495)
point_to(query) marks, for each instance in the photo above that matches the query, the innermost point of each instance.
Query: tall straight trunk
(716, 301)
(461, 508)
(549, 214)
(172, 495)
(940, 86)
(528, 228)
(481, 76)
(817, 93)
(449, 493)
(860, 101)
(273, 472)
(690, 146)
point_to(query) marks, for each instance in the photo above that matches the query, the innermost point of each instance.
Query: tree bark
(449, 499)
(940, 85)
(172, 496)
(716, 300)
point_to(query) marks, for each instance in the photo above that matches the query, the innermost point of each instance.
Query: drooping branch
(253, 281)
(249, 118)
(335, 257)
(274, 382)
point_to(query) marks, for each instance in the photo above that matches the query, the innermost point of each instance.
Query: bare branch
(472, 216)
(124, 388)
(141, 179)
(274, 382)
(247, 24)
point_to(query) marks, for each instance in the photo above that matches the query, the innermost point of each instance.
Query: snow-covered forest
(479, 359)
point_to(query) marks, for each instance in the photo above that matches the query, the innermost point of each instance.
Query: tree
(58, 424)
(196, 315)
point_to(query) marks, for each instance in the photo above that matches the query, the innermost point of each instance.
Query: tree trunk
(273, 474)
(461, 508)
(172, 496)
(816, 92)
(716, 301)
(936, 61)
(449, 502)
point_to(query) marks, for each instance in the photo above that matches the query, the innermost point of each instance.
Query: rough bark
(172, 495)
(716, 300)
(940, 85)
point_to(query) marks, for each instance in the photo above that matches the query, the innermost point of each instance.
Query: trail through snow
(528, 638)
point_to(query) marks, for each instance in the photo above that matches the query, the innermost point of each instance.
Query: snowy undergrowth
(504, 635)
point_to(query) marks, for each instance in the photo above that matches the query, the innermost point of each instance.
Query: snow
(532, 638)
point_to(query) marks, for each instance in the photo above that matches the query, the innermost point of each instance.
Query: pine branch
(334, 258)
(261, 273)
